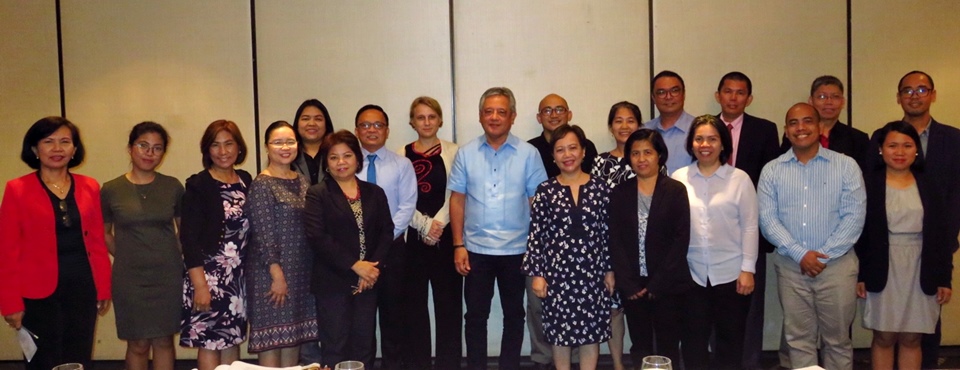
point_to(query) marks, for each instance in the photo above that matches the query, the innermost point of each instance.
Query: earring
(881, 152)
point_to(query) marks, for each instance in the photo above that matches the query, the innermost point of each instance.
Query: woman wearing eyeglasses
(214, 239)
(54, 268)
(141, 213)
(282, 310)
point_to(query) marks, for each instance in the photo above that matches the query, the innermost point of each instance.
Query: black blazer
(333, 235)
(846, 140)
(201, 216)
(667, 239)
(873, 247)
(757, 146)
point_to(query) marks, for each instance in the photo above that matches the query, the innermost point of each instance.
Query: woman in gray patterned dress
(141, 215)
(567, 254)
(282, 312)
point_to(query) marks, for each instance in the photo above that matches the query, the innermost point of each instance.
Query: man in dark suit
(915, 94)
(826, 94)
(754, 144)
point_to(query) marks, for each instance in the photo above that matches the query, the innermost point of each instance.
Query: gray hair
(499, 91)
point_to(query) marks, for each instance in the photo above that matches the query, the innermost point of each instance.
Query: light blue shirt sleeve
(458, 174)
(407, 192)
(770, 224)
(853, 211)
(535, 173)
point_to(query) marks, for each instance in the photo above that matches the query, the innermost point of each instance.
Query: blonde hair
(429, 102)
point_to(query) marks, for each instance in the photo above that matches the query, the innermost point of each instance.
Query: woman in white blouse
(723, 246)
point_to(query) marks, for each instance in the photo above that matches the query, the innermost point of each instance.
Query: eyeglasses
(675, 91)
(64, 215)
(551, 110)
(283, 143)
(921, 92)
(369, 125)
(825, 97)
(145, 148)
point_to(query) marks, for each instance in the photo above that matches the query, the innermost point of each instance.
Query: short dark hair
(903, 128)
(726, 140)
(210, 135)
(147, 127)
(43, 128)
(666, 73)
(273, 127)
(564, 129)
(655, 139)
(316, 104)
(341, 137)
(633, 108)
(825, 80)
(900, 84)
(372, 107)
(736, 76)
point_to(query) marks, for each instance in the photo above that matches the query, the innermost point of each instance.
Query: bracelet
(459, 246)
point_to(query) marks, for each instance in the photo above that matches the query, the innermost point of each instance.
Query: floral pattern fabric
(225, 324)
(568, 246)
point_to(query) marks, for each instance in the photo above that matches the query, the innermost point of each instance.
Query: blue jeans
(478, 292)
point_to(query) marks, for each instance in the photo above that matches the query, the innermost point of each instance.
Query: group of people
(669, 230)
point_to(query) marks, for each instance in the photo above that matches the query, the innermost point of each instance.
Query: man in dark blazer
(915, 94)
(826, 94)
(754, 144)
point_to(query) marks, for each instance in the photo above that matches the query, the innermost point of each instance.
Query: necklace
(143, 190)
(60, 189)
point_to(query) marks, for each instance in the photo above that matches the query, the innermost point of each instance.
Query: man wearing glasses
(826, 94)
(673, 123)
(395, 175)
(552, 113)
(939, 142)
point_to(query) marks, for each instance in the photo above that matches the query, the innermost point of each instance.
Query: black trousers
(930, 347)
(64, 322)
(432, 267)
(348, 325)
(485, 270)
(390, 304)
(660, 318)
(717, 309)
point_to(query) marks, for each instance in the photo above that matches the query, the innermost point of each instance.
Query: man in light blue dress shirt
(493, 179)
(812, 208)
(668, 93)
(395, 175)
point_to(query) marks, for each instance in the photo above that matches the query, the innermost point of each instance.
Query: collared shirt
(737, 124)
(396, 177)
(676, 140)
(724, 231)
(924, 136)
(498, 185)
(817, 206)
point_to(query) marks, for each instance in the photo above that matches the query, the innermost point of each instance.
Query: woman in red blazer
(54, 269)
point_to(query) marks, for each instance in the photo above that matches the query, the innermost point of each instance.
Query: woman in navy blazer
(905, 257)
(653, 289)
(350, 230)
(54, 269)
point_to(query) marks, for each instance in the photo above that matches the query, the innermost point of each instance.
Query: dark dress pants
(714, 309)
(753, 332)
(390, 304)
(659, 318)
(347, 325)
(432, 267)
(485, 270)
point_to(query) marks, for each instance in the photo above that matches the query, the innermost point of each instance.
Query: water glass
(69, 366)
(349, 365)
(656, 362)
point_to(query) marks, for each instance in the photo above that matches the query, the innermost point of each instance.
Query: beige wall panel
(29, 90)
(348, 54)
(781, 46)
(592, 53)
(181, 63)
(891, 38)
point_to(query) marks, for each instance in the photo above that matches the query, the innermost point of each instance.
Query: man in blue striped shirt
(812, 208)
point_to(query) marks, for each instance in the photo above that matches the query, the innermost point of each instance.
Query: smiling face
(341, 162)
(147, 151)
(706, 145)
(624, 124)
(282, 146)
(898, 151)
(224, 151)
(426, 121)
(496, 117)
(803, 127)
(311, 124)
(829, 101)
(644, 159)
(56, 150)
(559, 113)
(915, 105)
(371, 137)
(668, 95)
(733, 98)
(568, 154)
